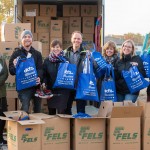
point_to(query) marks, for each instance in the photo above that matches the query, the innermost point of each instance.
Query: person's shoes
(37, 92)
(43, 93)
(47, 92)
(3, 142)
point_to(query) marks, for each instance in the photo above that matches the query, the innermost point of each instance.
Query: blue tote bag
(134, 80)
(66, 75)
(146, 63)
(108, 88)
(86, 88)
(101, 63)
(26, 73)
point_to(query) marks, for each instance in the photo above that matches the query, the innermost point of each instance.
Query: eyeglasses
(129, 47)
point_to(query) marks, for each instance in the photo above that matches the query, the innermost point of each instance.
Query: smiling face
(110, 51)
(56, 49)
(76, 40)
(27, 41)
(127, 48)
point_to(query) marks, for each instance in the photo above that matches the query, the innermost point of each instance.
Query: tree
(6, 11)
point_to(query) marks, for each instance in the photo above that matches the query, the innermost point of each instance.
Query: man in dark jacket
(27, 50)
(3, 100)
(76, 55)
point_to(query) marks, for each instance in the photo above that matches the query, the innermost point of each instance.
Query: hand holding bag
(146, 63)
(134, 80)
(66, 75)
(108, 89)
(86, 88)
(26, 73)
(101, 63)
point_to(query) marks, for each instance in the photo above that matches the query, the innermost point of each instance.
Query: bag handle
(62, 59)
(84, 44)
(88, 64)
(109, 71)
(20, 58)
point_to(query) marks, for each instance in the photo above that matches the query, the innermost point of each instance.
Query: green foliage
(6, 11)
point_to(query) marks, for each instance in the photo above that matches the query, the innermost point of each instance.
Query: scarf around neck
(54, 58)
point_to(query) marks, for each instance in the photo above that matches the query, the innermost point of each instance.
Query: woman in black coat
(58, 103)
(127, 59)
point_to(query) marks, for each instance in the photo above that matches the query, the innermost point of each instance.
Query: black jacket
(125, 64)
(50, 70)
(20, 52)
(80, 59)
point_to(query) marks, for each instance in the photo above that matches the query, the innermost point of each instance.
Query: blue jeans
(123, 97)
(25, 97)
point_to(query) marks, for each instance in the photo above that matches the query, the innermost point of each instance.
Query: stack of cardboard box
(117, 126)
(80, 18)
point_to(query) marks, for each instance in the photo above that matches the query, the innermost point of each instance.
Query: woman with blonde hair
(127, 59)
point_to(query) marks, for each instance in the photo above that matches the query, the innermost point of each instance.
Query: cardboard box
(89, 40)
(71, 10)
(124, 128)
(12, 94)
(145, 124)
(44, 106)
(31, 10)
(48, 10)
(66, 40)
(7, 48)
(74, 24)
(89, 134)
(35, 38)
(10, 83)
(89, 10)
(65, 24)
(54, 38)
(11, 102)
(23, 134)
(55, 132)
(37, 45)
(44, 39)
(45, 53)
(56, 28)
(88, 25)
(42, 24)
(12, 31)
(29, 20)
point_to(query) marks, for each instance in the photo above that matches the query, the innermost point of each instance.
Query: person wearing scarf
(56, 104)
(110, 52)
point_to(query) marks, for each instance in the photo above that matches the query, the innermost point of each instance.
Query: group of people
(47, 72)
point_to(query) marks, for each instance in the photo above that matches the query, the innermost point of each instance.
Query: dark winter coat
(20, 52)
(50, 71)
(125, 64)
(3, 77)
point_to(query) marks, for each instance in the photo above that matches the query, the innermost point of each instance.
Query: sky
(124, 16)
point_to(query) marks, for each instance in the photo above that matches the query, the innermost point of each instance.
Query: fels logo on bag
(68, 72)
(108, 91)
(145, 63)
(91, 83)
(28, 69)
